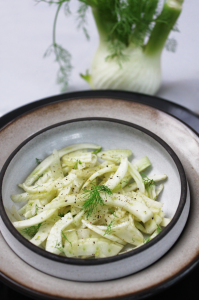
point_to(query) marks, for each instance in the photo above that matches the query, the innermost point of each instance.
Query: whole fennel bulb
(141, 70)
(132, 35)
(139, 73)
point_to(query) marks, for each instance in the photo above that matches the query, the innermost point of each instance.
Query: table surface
(26, 33)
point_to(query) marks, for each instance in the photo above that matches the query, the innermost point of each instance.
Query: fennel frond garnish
(38, 160)
(76, 164)
(31, 231)
(148, 182)
(109, 228)
(66, 238)
(159, 229)
(97, 151)
(93, 198)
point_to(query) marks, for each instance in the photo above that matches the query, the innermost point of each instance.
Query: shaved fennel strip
(38, 171)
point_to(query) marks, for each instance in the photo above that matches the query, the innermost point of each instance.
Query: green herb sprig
(97, 151)
(38, 160)
(113, 213)
(109, 228)
(93, 198)
(60, 248)
(36, 208)
(32, 230)
(147, 240)
(76, 164)
(66, 238)
(159, 229)
(61, 215)
(148, 182)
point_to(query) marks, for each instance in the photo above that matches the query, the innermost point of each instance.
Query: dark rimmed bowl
(109, 133)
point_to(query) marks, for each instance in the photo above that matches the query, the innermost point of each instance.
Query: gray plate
(110, 134)
(184, 142)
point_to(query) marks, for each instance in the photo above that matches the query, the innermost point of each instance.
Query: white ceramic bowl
(110, 134)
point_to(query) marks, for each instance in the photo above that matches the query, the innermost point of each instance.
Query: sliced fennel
(54, 240)
(95, 209)
(40, 169)
(114, 155)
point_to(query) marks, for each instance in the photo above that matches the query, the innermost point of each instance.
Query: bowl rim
(97, 261)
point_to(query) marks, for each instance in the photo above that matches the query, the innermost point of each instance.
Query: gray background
(26, 32)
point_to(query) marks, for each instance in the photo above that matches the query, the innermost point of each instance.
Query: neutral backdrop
(26, 32)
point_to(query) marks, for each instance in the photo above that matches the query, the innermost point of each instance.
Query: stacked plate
(108, 119)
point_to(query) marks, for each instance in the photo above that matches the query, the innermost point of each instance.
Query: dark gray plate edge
(169, 107)
(164, 105)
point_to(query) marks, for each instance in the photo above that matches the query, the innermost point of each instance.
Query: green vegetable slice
(34, 220)
(54, 240)
(40, 169)
(92, 247)
(51, 186)
(102, 233)
(55, 166)
(137, 177)
(115, 155)
(139, 210)
(106, 169)
(42, 233)
(119, 174)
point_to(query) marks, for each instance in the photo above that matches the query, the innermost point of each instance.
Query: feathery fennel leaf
(59, 247)
(119, 22)
(66, 238)
(63, 58)
(97, 151)
(93, 198)
(32, 230)
(38, 160)
(76, 164)
(109, 228)
(148, 182)
(171, 45)
(159, 229)
(81, 19)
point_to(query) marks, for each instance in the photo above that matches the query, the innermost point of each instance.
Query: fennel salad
(83, 202)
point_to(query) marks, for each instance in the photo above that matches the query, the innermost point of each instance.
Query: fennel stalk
(132, 35)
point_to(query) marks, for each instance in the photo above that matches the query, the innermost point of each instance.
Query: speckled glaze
(182, 140)
(110, 134)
